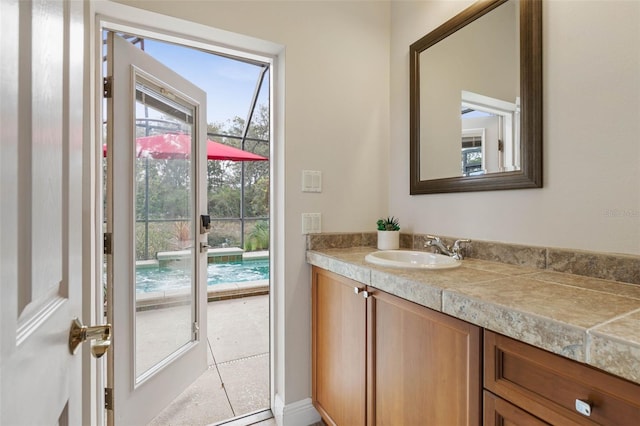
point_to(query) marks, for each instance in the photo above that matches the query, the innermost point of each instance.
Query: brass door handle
(100, 333)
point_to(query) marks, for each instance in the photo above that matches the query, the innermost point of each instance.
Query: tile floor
(237, 380)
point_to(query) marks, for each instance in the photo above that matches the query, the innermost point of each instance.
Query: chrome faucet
(433, 241)
(436, 242)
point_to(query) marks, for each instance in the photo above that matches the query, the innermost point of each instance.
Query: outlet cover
(311, 223)
(311, 181)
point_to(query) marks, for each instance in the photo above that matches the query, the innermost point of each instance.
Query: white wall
(337, 121)
(591, 194)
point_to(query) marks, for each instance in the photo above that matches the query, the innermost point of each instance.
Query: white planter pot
(388, 240)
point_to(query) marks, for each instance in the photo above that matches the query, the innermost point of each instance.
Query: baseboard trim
(295, 414)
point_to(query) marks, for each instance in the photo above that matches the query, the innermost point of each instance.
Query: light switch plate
(311, 223)
(311, 181)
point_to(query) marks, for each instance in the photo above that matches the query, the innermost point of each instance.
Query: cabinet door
(338, 348)
(498, 412)
(425, 365)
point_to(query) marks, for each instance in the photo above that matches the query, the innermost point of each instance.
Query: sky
(229, 83)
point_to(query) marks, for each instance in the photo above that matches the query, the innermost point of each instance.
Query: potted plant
(388, 233)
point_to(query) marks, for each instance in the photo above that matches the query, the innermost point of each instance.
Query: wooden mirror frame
(530, 173)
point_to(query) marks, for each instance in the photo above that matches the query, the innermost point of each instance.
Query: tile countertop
(589, 320)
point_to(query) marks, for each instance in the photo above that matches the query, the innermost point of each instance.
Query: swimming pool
(149, 280)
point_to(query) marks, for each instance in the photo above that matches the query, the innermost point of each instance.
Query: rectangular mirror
(476, 100)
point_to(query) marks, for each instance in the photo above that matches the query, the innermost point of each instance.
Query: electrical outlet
(311, 223)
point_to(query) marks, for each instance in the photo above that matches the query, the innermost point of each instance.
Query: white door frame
(108, 15)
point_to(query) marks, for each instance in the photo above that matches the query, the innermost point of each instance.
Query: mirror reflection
(490, 135)
(476, 100)
(469, 95)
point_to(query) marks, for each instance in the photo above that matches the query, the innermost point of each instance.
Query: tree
(226, 176)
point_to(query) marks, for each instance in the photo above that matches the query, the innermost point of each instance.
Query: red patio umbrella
(178, 145)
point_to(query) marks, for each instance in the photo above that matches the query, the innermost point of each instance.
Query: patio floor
(237, 380)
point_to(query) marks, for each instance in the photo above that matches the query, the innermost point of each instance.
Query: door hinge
(195, 328)
(107, 243)
(108, 399)
(107, 85)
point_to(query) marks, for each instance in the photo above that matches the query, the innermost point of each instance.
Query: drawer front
(498, 412)
(548, 385)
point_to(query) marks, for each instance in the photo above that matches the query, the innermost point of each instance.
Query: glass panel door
(164, 203)
(156, 274)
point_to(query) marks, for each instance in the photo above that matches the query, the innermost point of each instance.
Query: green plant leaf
(388, 224)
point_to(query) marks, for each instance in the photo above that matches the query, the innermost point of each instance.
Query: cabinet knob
(583, 407)
(358, 290)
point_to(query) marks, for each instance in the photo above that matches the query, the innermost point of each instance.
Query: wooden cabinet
(424, 365)
(381, 360)
(338, 349)
(547, 386)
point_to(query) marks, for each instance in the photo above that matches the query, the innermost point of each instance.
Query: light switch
(311, 223)
(311, 181)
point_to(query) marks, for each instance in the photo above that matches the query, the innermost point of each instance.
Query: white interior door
(40, 210)
(159, 335)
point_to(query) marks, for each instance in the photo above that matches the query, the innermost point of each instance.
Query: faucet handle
(457, 249)
(431, 239)
(456, 245)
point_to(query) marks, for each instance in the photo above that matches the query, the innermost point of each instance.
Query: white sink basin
(412, 259)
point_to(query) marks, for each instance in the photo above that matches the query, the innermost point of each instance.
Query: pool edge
(223, 292)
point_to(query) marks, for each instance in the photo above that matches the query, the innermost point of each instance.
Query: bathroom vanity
(359, 333)
(485, 343)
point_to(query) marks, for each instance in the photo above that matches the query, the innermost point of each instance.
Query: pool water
(163, 279)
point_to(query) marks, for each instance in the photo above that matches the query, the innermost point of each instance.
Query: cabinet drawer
(548, 385)
(498, 412)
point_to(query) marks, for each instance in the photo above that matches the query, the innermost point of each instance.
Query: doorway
(238, 225)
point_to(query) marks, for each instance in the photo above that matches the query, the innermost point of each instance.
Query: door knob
(100, 333)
